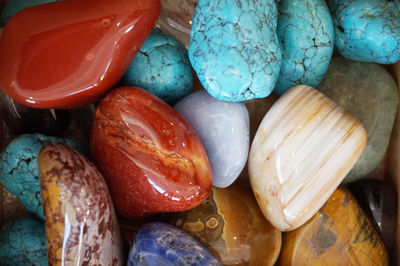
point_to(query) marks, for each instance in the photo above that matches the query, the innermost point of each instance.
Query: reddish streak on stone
(66, 54)
(151, 157)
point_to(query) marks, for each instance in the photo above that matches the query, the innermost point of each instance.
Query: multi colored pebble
(19, 169)
(223, 128)
(161, 67)
(303, 149)
(67, 54)
(23, 243)
(81, 225)
(234, 48)
(235, 237)
(367, 30)
(163, 244)
(305, 32)
(151, 157)
(368, 92)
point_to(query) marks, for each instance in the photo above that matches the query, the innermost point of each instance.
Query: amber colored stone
(338, 234)
(151, 157)
(81, 225)
(66, 54)
(232, 226)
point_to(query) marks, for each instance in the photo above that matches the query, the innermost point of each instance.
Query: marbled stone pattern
(368, 92)
(161, 67)
(306, 35)
(23, 243)
(234, 48)
(19, 169)
(12, 7)
(81, 225)
(367, 30)
(224, 130)
(234, 236)
(163, 244)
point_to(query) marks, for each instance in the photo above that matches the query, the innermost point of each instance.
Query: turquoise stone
(368, 92)
(161, 67)
(23, 242)
(234, 48)
(367, 30)
(306, 35)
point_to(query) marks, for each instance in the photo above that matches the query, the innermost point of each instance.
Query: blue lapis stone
(164, 244)
(367, 30)
(234, 48)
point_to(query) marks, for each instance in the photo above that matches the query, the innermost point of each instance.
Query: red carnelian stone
(151, 157)
(66, 54)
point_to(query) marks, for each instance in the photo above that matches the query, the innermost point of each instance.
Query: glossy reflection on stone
(379, 202)
(232, 226)
(81, 226)
(368, 92)
(338, 234)
(152, 158)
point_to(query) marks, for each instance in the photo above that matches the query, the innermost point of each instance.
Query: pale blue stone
(224, 130)
(367, 30)
(306, 35)
(234, 48)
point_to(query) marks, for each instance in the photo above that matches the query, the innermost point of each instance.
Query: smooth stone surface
(81, 225)
(369, 93)
(303, 149)
(163, 244)
(305, 32)
(379, 202)
(76, 50)
(152, 159)
(19, 169)
(234, 48)
(21, 119)
(176, 18)
(161, 67)
(23, 242)
(231, 225)
(367, 30)
(223, 128)
(338, 234)
(12, 7)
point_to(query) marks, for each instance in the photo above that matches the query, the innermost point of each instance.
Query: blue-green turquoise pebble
(23, 243)
(367, 30)
(306, 35)
(19, 168)
(161, 67)
(234, 48)
(12, 7)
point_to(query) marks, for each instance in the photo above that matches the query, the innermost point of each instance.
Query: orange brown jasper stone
(339, 234)
(151, 157)
(81, 225)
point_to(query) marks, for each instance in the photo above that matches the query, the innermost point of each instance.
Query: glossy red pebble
(66, 54)
(151, 157)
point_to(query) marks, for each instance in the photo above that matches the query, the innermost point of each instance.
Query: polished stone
(305, 32)
(303, 149)
(234, 236)
(338, 234)
(19, 169)
(368, 92)
(81, 225)
(234, 48)
(223, 128)
(163, 244)
(367, 30)
(161, 67)
(152, 159)
(23, 243)
(67, 54)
